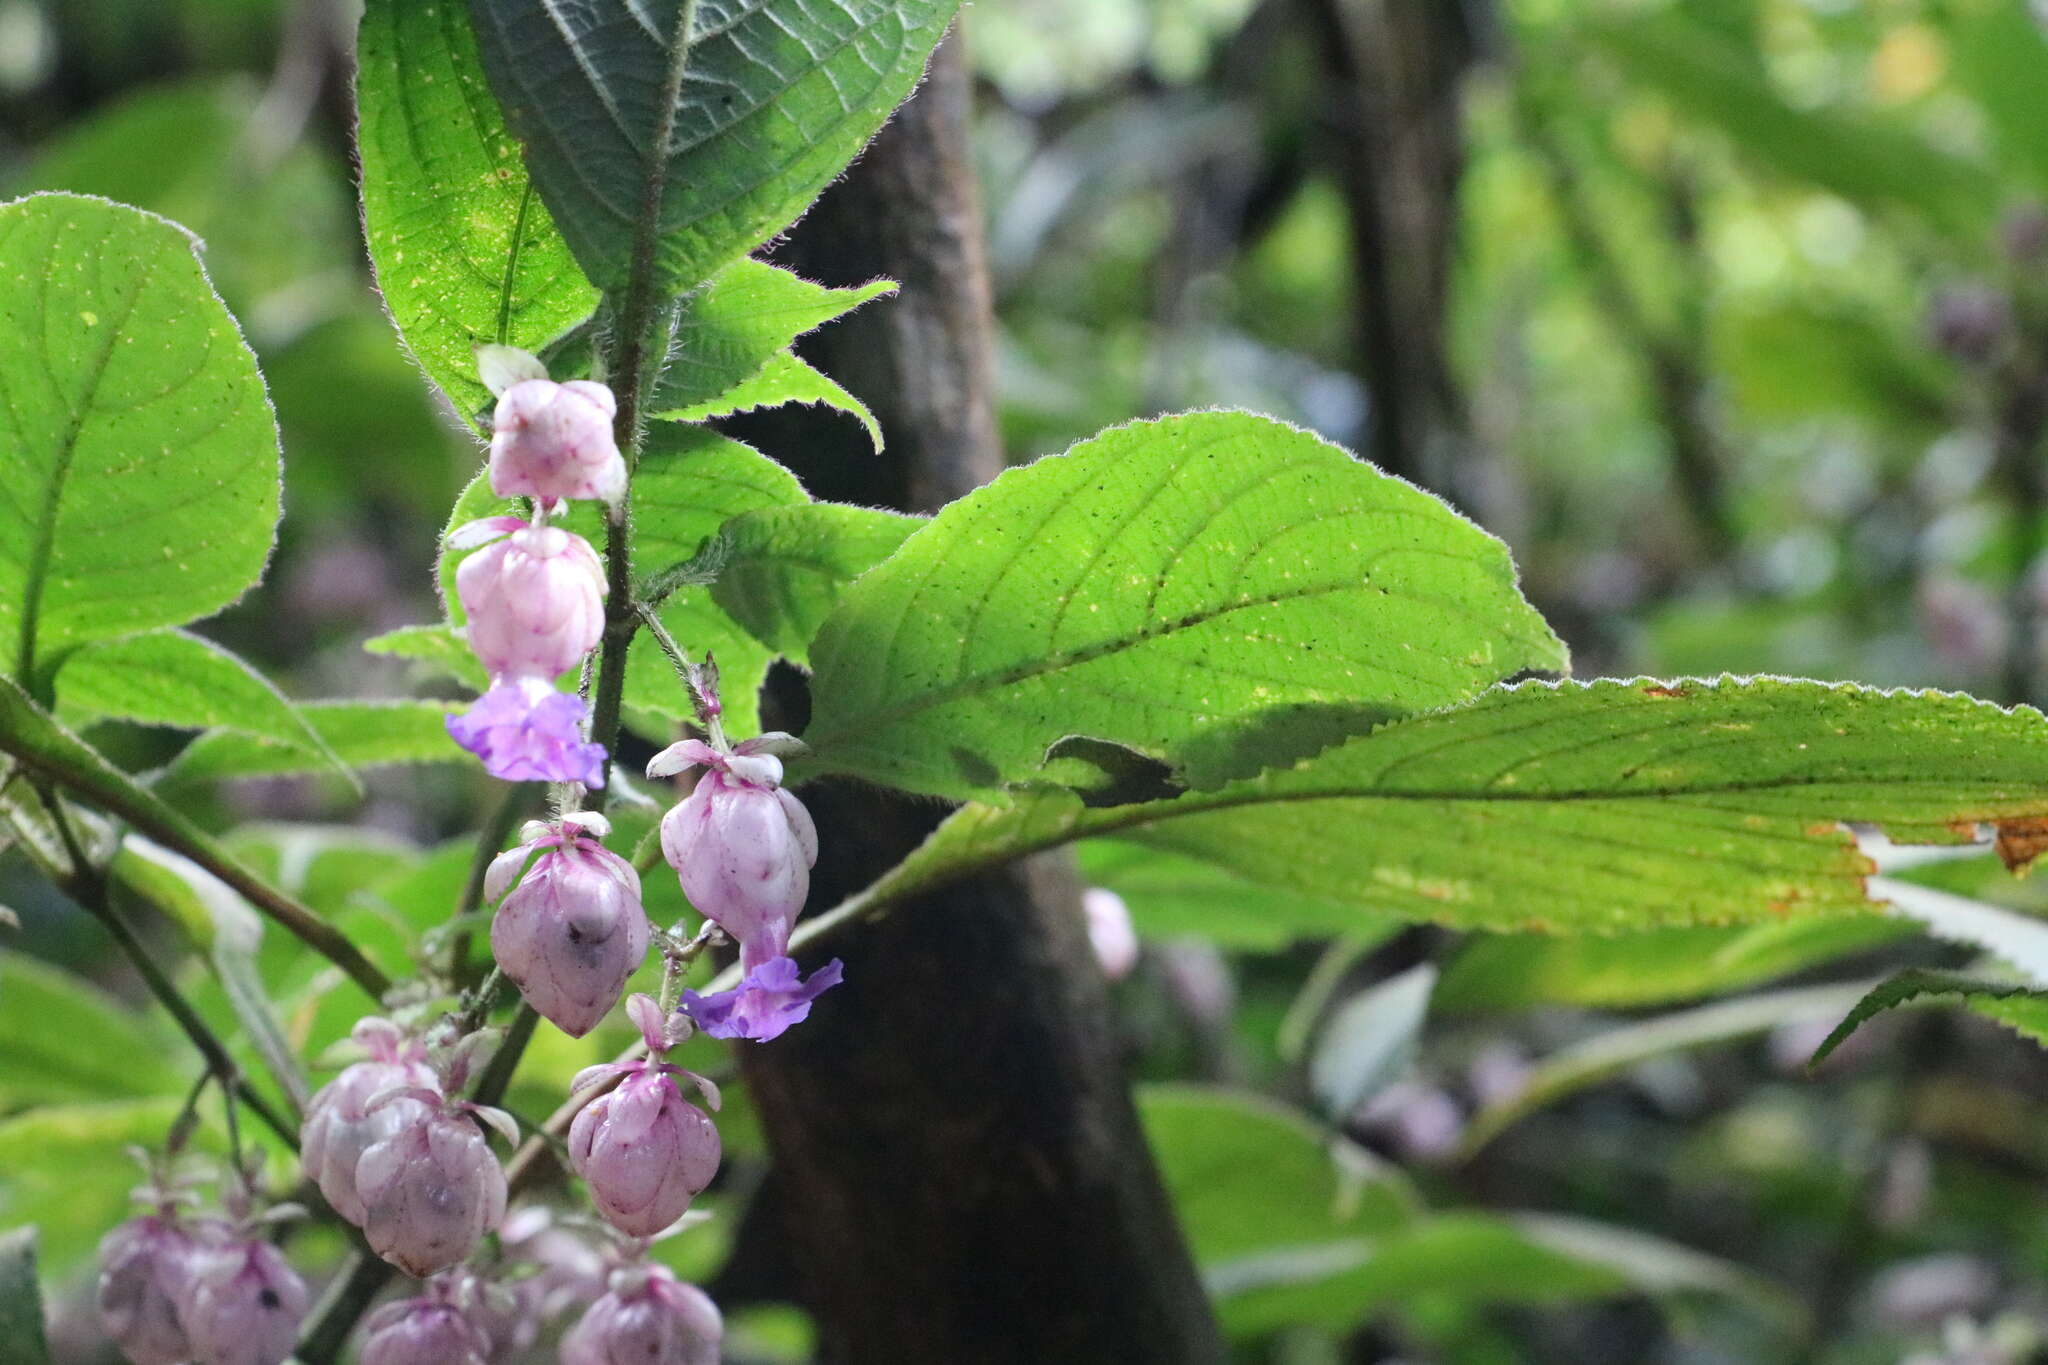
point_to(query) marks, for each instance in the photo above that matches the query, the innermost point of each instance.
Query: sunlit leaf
(781, 570)
(365, 734)
(2020, 1007)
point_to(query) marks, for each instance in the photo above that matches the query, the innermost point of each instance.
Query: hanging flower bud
(340, 1124)
(429, 1330)
(145, 1278)
(741, 845)
(245, 1304)
(433, 1189)
(526, 731)
(573, 930)
(553, 441)
(643, 1149)
(649, 1317)
(534, 596)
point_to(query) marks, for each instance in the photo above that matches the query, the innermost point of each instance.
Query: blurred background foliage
(1731, 316)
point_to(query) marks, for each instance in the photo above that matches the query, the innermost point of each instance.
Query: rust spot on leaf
(2021, 840)
(1660, 690)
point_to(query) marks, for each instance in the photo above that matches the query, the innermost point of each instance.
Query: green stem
(497, 1077)
(335, 1316)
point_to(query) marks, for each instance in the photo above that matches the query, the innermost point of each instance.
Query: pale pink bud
(431, 1190)
(429, 1330)
(245, 1305)
(552, 441)
(535, 599)
(340, 1123)
(1110, 931)
(643, 1149)
(741, 845)
(572, 931)
(649, 1317)
(145, 1276)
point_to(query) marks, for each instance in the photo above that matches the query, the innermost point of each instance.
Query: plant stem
(335, 1316)
(497, 1077)
(88, 885)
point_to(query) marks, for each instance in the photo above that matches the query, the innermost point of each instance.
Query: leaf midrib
(44, 546)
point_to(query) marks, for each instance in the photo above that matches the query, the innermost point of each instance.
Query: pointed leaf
(743, 318)
(728, 134)
(784, 379)
(365, 734)
(1370, 1042)
(171, 677)
(140, 487)
(464, 250)
(781, 570)
(1219, 592)
(2018, 1006)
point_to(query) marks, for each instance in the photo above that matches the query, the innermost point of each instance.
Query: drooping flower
(553, 441)
(741, 845)
(244, 1304)
(534, 595)
(648, 1317)
(644, 1150)
(145, 1279)
(432, 1190)
(526, 731)
(433, 1329)
(340, 1123)
(573, 929)
(767, 1002)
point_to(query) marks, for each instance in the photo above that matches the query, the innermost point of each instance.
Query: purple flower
(433, 1189)
(644, 1150)
(573, 930)
(741, 845)
(244, 1305)
(526, 731)
(429, 1330)
(648, 1318)
(340, 1123)
(765, 1004)
(145, 1278)
(553, 441)
(535, 598)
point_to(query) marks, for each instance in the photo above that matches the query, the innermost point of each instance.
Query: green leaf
(1651, 966)
(2020, 1007)
(1249, 1175)
(774, 99)
(1169, 894)
(1999, 52)
(1712, 79)
(364, 734)
(784, 379)
(781, 570)
(744, 317)
(65, 1168)
(171, 677)
(440, 649)
(140, 487)
(65, 1039)
(1219, 592)
(21, 1301)
(1578, 807)
(464, 250)
(1371, 1041)
(1575, 1067)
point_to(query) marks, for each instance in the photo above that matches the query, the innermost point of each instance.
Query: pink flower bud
(552, 441)
(741, 845)
(340, 1124)
(573, 930)
(1110, 931)
(526, 731)
(648, 1318)
(535, 599)
(431, 1190)
(643, 1149)
(245, 1305)
(145, 1277)
(429, 1330)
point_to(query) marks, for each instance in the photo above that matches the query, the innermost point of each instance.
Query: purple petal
(530, 734)
(766, 1004)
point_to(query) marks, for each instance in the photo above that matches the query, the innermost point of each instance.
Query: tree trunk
(959, 1172)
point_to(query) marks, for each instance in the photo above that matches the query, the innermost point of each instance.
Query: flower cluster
(534, 593)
